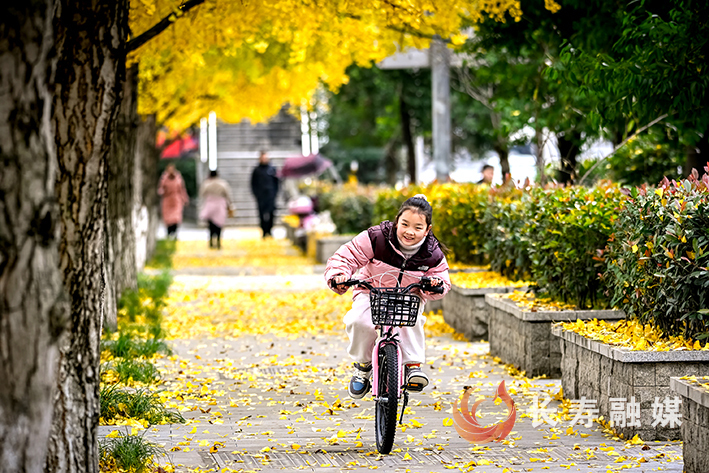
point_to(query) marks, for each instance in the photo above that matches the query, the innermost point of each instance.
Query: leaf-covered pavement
(259, 371)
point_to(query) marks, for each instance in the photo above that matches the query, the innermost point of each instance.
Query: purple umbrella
(302, 166)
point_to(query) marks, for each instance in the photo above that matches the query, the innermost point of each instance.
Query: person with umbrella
(264, 186)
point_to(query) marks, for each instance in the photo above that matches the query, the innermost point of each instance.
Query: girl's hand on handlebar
(433, 285)
(336, 281)
(436, 281)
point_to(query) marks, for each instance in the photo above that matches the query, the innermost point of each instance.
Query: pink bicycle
(391, 307)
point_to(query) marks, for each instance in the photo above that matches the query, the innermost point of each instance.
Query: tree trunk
(408, 139)
(539, 158)
(697, 156)
(148, 157)
(33, 306)
(91, 38)
(501, 145)
(503, 152)
(391, 160)
(568, 150)
(121, 187)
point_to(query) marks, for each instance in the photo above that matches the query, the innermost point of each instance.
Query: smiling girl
(389, 254)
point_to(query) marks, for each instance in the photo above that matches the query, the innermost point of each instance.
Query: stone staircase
(238, 147)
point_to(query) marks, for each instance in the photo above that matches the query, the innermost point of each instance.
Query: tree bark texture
(33, 306)
(91, 40)
(147, 155)
(121, 187)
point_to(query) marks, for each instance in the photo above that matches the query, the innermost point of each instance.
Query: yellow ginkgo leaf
(458, 39)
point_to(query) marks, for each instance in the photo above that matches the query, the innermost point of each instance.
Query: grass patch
(128, 453)
(141, 404)
(146, 303)
(162, 257)
(128, 345)
(129, 371)
(139, 337)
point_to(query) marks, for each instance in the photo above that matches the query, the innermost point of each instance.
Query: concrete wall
(327, 246)
(466, 311)
(525, 339)
(695, 424)
(599, 371)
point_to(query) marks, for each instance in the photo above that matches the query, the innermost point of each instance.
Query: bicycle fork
(389, 338)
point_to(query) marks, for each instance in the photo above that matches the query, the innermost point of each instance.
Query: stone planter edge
(551, 316)
(629, 356)
(479, 291)
(689, 390)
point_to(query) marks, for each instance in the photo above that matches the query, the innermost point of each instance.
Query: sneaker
(359, 384)
(416, 379)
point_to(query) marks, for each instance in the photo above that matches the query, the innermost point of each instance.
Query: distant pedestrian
(215, 199)
(174, 197)
(264, 186)
(488, 173)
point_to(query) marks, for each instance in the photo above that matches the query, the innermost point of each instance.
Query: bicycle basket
(391, 307)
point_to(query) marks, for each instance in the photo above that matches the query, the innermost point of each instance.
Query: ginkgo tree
(246, 59)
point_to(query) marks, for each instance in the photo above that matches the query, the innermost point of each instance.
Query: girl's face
(411, 227)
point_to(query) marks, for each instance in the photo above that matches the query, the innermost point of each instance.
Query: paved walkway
(273, 403)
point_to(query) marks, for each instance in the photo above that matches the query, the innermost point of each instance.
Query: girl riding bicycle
(389, 254)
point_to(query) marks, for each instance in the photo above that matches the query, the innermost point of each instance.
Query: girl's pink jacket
(359, 254)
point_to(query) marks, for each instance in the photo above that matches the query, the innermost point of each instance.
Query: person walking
(215, 198)
(264, 186)
(174, 197)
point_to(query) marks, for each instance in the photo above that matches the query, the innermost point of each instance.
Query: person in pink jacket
(389, 254)
(174, 198)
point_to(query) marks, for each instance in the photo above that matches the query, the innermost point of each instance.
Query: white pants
(363, 335)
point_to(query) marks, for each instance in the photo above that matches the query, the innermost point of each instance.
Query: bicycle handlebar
(424, 285)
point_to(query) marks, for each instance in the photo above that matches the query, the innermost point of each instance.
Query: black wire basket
(392, 307)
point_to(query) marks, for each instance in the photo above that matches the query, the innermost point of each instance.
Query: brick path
(270, 404)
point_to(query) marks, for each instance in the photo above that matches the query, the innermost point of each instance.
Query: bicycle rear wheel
(387, 402)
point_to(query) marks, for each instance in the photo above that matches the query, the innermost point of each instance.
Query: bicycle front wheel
(387, 402)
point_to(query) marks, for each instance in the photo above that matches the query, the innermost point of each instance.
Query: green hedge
(351, 207)
(646, 254)
(566, 231)
(658, 257)
(458, 212)
(505, 246)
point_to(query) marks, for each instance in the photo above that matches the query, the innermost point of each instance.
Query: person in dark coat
(264, 186)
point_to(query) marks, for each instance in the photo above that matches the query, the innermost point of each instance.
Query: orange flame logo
(470, 429)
